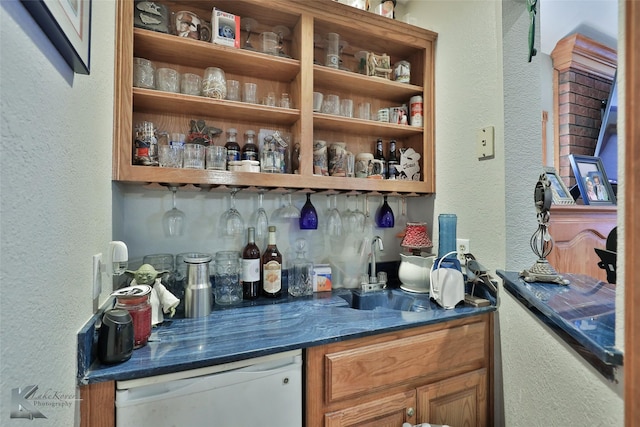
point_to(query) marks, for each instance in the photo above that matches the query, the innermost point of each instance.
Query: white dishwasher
(261, 391)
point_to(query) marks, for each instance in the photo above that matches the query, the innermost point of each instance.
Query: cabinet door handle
(411, 412)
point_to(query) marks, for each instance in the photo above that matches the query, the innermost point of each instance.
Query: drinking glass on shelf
(248, 24)
(231, 222)
(334, 219)
(308, 216)
(174, 219)
(260, 221)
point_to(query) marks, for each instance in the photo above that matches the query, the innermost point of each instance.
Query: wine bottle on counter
(272, 267)
(393, 161)
(251, 266)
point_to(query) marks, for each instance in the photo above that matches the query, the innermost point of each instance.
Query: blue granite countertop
(583, 314)
(250, 331)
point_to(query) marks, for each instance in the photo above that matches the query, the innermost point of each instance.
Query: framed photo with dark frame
(67, 23)
(594, 186)
(560, 192)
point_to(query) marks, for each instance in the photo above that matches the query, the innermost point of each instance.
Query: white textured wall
(55, 204)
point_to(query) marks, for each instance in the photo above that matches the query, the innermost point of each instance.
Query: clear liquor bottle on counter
(249, 149)
(272, 267)
(392, 163)
(232, 146)
(380, 167)
(251, 265)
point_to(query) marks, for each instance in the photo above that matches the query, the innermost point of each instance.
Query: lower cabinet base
(438, 374)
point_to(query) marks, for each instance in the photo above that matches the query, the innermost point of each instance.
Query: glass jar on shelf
(214, 83)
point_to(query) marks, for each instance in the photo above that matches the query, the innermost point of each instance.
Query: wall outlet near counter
(463, 248)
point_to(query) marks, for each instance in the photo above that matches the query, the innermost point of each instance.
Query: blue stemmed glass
(384, 215)
(308, 216)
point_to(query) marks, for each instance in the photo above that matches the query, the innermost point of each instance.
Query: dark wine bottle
(232, 146)
(251, 266)
(272, 267)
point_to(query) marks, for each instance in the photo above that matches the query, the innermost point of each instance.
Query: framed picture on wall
(67, 23)
(561, 194)
(594, 186)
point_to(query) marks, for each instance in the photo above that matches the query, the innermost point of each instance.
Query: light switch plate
(484, 143)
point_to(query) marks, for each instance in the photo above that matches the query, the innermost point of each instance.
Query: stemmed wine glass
(247, 23)
(334, 220)
(308, 216)
(359, 217)
(231, 222)
(260, 221)
(384, 215)
(287, 212)
(173, 220)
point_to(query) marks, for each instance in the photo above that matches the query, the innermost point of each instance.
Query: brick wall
(580, 97)
(583, 76)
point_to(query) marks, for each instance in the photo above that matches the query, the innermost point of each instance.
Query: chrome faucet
(373, 278)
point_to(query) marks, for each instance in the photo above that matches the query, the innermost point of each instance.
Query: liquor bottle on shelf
(272, 267)
(232, 146)
(249, 149)
(251, 265)
(392, 163)
(379, 167)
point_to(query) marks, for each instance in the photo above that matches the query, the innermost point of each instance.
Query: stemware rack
(298, 76)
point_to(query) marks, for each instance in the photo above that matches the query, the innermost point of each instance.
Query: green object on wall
(531, 8)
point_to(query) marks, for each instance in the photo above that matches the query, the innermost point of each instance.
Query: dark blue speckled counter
(251, 331)
(582, 313)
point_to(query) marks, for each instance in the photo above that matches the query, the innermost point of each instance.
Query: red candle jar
(136, 300)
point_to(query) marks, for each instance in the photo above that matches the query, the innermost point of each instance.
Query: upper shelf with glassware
(298, 69)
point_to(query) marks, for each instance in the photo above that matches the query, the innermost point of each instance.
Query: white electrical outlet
(463, 248)
(97, 276)
(485, 143)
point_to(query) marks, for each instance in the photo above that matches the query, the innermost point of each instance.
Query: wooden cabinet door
(389, 411)
(460, 401)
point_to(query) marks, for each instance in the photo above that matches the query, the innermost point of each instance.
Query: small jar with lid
(135, 299)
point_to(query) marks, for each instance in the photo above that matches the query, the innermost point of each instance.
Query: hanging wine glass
(402, 219)
(260, 221)
(173, 220)
(247, 24)
(231, 222)
(334, 220)
(384, 215)
(286, 212)
(308, 216)
(349, 220)
(359, 217)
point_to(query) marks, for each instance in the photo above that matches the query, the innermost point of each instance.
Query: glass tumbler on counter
(446, 233)
(227, 287)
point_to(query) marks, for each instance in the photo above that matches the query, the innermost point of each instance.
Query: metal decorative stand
(541, 241)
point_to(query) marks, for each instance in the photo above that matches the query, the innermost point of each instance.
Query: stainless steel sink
(394, 299)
